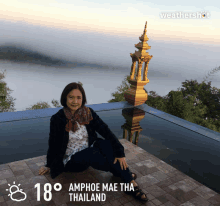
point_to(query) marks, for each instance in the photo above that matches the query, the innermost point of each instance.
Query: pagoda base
(136, 98)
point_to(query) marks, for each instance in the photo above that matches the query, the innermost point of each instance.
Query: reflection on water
(161, 152)
(185, 150)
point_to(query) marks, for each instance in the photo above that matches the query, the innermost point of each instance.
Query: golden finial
(145, 28)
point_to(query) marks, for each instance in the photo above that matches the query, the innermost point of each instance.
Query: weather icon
(16, 192)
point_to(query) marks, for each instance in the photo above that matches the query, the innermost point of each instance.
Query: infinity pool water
(193, 154)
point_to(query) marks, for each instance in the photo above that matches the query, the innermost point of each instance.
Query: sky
(124, 18)
(106, 31)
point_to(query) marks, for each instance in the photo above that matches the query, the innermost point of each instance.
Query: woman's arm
(54, 142)
(103, 129)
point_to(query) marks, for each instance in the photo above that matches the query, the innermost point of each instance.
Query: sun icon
(17, 190)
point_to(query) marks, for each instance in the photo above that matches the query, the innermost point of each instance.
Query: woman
(74, 145)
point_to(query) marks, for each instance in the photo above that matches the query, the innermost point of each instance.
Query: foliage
(43, 105)
(156, 101)
(119, 95)
(209, 96)
(184, 107)
(7, 104)
(39, 105)
(194, 102)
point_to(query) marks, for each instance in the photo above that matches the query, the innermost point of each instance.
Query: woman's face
(74, 100)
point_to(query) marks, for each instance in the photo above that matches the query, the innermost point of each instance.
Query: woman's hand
(44, 170)
(122, 162)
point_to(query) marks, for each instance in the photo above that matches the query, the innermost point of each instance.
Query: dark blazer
(59, 137)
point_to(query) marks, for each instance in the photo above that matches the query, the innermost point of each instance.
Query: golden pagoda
(132, 126)
(136, 94)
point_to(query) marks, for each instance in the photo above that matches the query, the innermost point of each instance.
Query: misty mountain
(19, 54)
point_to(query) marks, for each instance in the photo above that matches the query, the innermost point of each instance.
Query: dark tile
(150, 170)
(199, 201)
(162, 198)
(3, 189)
(159, 175)
(123, 200)
(141, 169)
(165, 183)
(142, 157)
(145, 185)
(147, 180)
(25, 202)
(136, 202)
(115, 203)
(168, 198)
(156, 202)
(178, 177)
(128, 204)
(215, 199)
(167, 189)
(155, 190)
(183, 196)
(149, 203)
(173, 173)
(106, 203)
(144, 170)
(169, 204)
(4, 167)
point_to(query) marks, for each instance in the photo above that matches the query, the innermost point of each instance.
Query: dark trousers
(99, 157)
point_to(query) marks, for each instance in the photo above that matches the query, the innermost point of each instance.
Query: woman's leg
(79, 161)
(105, 150)
(100, 157)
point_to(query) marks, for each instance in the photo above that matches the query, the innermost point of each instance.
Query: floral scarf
(82, 116)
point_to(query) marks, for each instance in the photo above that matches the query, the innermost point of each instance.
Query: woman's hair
(68, 89)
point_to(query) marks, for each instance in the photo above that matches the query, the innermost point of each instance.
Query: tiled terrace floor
(163, 184)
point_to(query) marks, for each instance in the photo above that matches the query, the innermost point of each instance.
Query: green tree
(6, 101)
(184, 107)
(194, 102)
(207, 95)
(119, 95)
(156, 101)
(43, 105)
(39, 105)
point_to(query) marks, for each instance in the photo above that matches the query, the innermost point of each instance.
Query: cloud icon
(16, 192)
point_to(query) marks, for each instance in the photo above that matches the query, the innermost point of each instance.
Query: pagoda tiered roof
(142, 47)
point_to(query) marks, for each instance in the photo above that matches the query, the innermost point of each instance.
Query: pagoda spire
(145, 28)
(143, 45)
(136, 95)
(145, 31)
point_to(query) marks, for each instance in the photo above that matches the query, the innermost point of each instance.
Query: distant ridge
(20, 54)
